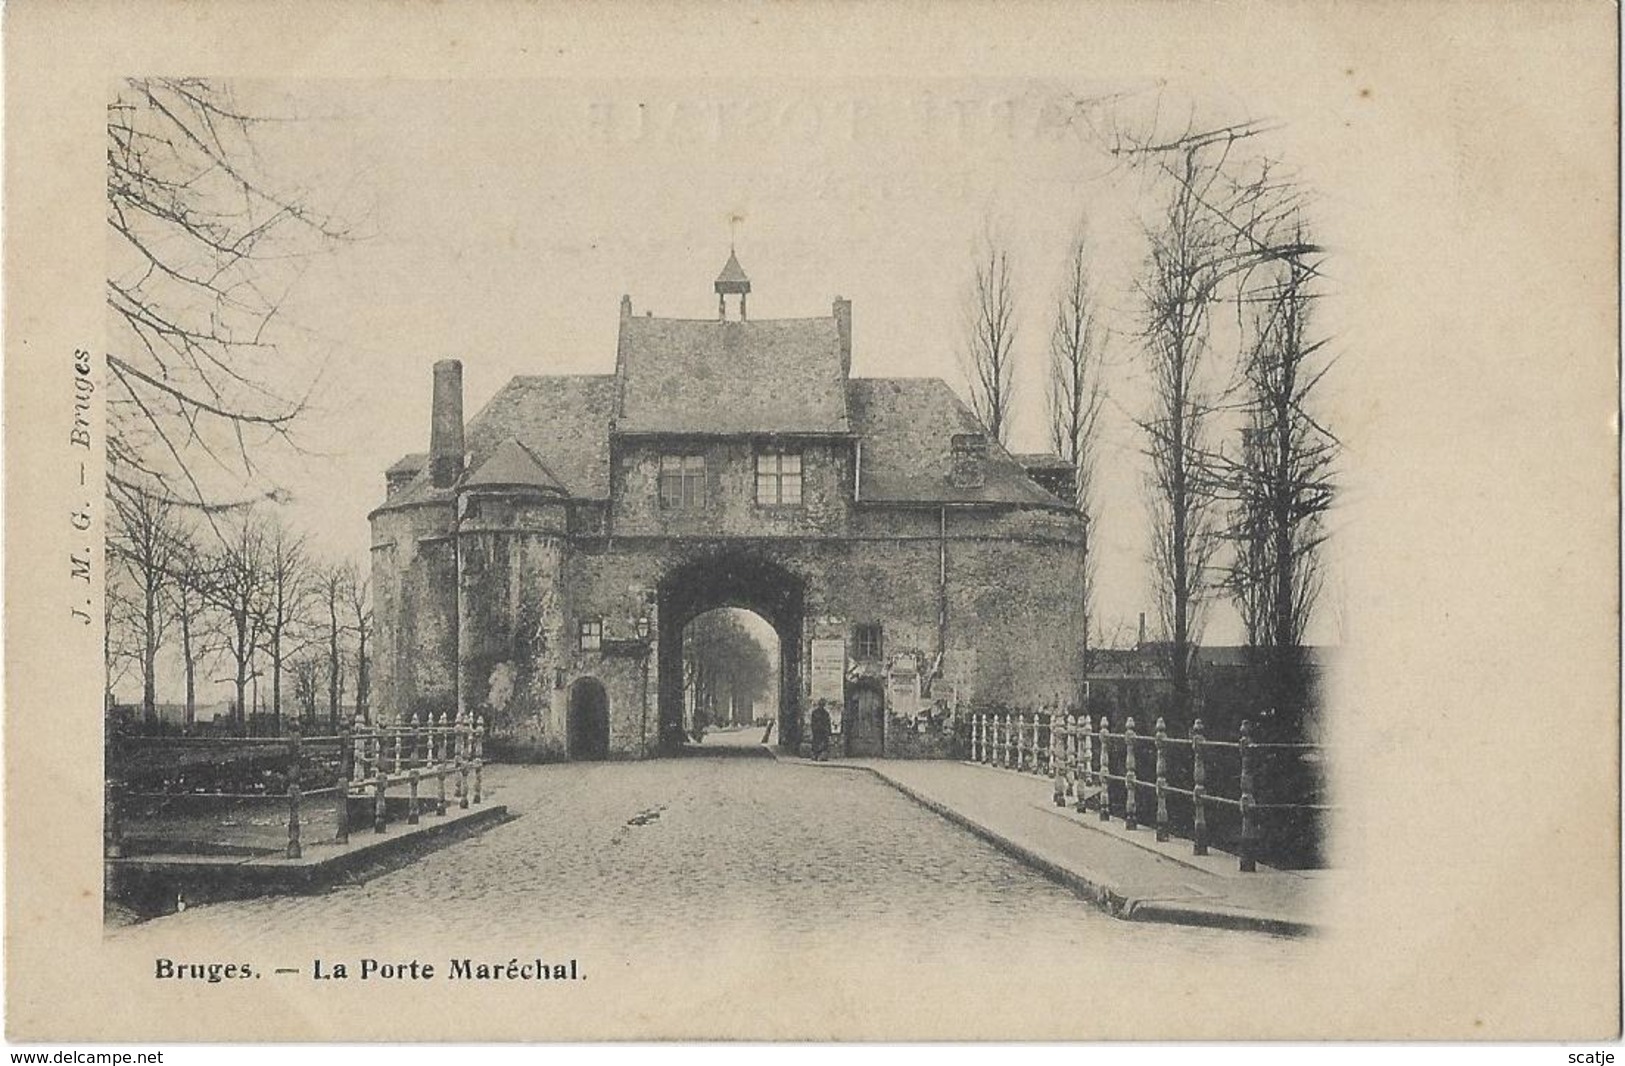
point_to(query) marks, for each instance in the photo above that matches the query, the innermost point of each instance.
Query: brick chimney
(843, 326)
(969, 455)
(446, 424)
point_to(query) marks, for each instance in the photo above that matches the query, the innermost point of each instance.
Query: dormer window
(682, 482)
(778, 478)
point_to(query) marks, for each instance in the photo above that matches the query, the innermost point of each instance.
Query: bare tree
(359, 597)
(205, 250)
(307, 671)
(1281, 484)
(188, 601)
(1076, 395)
(1229, 211)
(237, 592)
(990, 327)
(286, 606)
(335, 582)
(146, 541)
(1179, 289)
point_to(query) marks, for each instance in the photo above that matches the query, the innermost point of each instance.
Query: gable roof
(563, 422)
(906, 426)
(722, 378)
(513, 465)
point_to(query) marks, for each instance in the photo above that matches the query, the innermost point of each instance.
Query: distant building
(1136, 682)
(536, 567)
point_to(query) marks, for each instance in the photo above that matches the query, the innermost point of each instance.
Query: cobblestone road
(711, 860)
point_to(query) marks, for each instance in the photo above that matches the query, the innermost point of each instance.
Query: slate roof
(563, 420)
(512, 465)
(906, 425)
(712, 377)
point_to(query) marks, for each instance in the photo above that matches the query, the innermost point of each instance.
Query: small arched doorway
(588, 721)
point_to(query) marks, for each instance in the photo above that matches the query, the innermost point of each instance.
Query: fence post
(1086, 750)
(379, 814)
(395, 728)
(1198, 790)
(294, 850)
(1057, 761)
(1162, 779)
(455, 722)
(359, 729)
(412, 798)
(1131, 802)
(462, 762)
(341, 782)
(479, 753)
(1102, 779)
(440, 767)
(1074, 741)
(1248, 863)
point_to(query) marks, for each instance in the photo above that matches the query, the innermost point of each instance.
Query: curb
(160, 878)
(1097, 889)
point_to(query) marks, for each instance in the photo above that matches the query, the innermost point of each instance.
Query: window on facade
(778, 477)
(866, 641)
(682, 481)
(592, 635)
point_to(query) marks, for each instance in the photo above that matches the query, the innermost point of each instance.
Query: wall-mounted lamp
(642, 626)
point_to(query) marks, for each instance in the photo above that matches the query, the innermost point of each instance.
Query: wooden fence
(1141, 776)
(311, 775)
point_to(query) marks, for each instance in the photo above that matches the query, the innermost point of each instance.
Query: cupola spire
(732, 281)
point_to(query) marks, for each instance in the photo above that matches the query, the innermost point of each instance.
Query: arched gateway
(730, 579)
(909, 565)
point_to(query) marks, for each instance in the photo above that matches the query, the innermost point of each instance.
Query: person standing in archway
(820, 731)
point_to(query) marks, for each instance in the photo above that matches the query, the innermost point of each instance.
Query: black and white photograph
(819, 536)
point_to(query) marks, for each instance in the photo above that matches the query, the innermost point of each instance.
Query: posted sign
(829, 673)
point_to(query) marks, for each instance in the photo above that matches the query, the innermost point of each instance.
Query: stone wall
(1012, 629)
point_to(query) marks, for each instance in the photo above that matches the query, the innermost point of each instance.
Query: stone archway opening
(588, 721)
(744, 581)
(730, 677)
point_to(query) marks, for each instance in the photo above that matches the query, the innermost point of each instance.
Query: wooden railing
(363, 761)
(1085, 759)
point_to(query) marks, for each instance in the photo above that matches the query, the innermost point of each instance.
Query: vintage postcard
(536, 522)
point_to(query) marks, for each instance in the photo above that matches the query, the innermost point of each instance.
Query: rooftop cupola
(732, 281)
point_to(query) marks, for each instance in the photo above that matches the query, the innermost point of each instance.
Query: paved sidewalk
(1127, 872)
(155, 880)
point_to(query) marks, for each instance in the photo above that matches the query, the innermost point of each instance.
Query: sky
(499, 223)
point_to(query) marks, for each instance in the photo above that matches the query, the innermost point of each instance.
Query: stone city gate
(572, 528)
